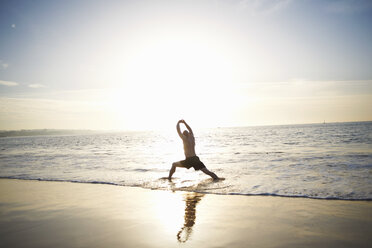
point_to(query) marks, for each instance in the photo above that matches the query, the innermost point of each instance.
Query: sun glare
(170, 211)
(173, 78)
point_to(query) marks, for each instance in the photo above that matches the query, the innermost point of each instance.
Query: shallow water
(318, 160)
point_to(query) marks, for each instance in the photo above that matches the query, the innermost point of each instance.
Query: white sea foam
(331, 161)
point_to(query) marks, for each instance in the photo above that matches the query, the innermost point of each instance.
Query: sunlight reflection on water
(323, 161)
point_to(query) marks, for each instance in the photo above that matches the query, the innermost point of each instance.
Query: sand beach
(63, 214)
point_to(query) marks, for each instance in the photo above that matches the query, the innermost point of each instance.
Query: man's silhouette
(189, 147)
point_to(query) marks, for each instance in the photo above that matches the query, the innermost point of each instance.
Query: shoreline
(64, 214)
(185, 190)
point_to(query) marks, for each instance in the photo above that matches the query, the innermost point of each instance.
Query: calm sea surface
(317, 160)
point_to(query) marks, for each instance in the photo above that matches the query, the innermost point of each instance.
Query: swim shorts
(193, 162)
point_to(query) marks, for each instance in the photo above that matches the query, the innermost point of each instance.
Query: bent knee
(176, 164)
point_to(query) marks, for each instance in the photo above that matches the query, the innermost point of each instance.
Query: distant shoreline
(46, 131)
(43, 132)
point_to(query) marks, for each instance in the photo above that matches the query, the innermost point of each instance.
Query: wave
(61, 180)
(186, 189)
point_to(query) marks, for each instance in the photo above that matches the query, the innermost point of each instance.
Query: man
(189, 147)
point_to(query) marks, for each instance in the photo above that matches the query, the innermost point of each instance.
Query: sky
(133, 65)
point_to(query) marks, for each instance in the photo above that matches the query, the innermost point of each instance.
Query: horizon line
(157, 129)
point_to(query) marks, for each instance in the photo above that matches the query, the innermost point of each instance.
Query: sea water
(330, 161)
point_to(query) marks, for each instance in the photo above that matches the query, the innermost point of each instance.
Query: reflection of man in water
(190, 215)
(189, 147)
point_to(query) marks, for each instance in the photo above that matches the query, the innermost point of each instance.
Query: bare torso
(189, 145)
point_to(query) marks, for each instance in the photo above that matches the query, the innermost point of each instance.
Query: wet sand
(62, 214)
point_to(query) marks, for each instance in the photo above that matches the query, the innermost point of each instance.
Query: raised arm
(188, 127)
(179, 129)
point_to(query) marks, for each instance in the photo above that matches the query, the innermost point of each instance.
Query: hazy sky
(146, 64)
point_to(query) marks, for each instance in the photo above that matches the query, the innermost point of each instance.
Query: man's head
(186, 133)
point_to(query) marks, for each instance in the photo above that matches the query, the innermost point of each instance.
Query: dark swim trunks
(193, 162)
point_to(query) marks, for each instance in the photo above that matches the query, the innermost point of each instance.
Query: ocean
(325, 161)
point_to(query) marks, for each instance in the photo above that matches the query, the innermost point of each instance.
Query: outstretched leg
(173, 169)
(209, 173)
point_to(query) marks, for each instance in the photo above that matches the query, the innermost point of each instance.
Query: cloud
(3, 64)
(35, 86)
(36, 113)
(13, 25)
(300, 88)
(262, 7)
(8, 83)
